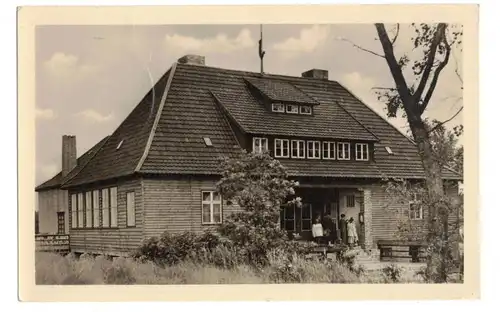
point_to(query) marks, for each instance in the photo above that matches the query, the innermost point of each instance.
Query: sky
(89, 78)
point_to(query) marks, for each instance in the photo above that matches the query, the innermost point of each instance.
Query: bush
(392, 273)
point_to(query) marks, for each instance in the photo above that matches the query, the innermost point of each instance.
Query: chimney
(316, 73)
(68, 154)
(192, 59)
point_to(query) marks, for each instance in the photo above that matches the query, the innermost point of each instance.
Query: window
(80, 210)
(350, 201)
(328, 150)
(277, 107)
(130, 209)
(88, 209)
(105, 207)
(415, 211)
(313, 149)
(288, 218)
(298, 149)
(361, 151)
(208, 141)
(60, 222)
(211, 207)
(306, 224)
(292, 109)
(95, 205)
(281, 148)
(306, 110)
(74, 212)
(259, 145)
(113, 206)
(343, 150)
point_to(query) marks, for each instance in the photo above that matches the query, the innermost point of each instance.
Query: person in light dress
(352, 234)
(317, 230)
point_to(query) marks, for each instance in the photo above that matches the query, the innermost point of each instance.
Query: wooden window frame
(211, 202)
(340, 150)
(314, 143)
(74, 211)
(81, 214)
(128, 208)
(310, 219)
(89, 218)
(415, 201)
(329, 145)
(362, 146)
(262, 148)
(96, 211)
(347, 201)
(282, 154)
(304, 106)
(289, 109)
(273, 105)
(285, 219)
(113, 209)
(59, 232)
(105, 205)
(297, 142)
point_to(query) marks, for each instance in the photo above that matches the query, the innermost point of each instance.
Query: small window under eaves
(389, 150)
(208, 141)
(119, 144)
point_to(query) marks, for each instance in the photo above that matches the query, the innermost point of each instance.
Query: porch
(329, 203)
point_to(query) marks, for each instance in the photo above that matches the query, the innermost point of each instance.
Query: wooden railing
(52, 243)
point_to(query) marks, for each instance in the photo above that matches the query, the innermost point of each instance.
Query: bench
(396, 249)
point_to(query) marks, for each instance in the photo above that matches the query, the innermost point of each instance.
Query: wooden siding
(49, 203)
(174, 205)
(112, 241)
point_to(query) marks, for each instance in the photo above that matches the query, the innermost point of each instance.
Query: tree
(412, 95)
(259, 185)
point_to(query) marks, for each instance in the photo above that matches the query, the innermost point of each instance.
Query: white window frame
(329, 150)
(96, 211)
(275, 107)
(364, 147)
(211, 202)
(80, 210)
(299, 150)
(304, 206)
(88, 210)
(340, 150)
(282, 154)
(420, 209)
(316, 147)
(261, 147)
(106, 214)
(131, 221)
(305, 113)
(74, 212)
(292, 109)
(113, 207)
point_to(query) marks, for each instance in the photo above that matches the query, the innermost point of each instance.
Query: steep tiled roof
(194, 102)
(58, 180)
(281, 91)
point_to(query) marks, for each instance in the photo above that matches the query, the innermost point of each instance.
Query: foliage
(392, 273)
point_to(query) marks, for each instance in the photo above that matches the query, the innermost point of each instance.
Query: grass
(53, 269)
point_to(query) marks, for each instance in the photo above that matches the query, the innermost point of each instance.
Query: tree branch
(447, 120)
(361, 48)
(396, 36)
(434, 81)
(438, 36)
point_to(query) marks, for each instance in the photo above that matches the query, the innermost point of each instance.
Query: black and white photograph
(249, 153)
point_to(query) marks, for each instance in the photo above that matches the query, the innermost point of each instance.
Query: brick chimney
(68, 154)
(316, 73)
(192, 59)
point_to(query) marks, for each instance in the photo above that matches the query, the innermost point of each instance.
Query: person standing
(352, 234)
(343, 228)
(328, 227)
(317, 230)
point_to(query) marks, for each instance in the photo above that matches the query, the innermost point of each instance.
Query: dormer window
(362, 151)
(292, 109)
(259, 145)
(278, 107)
(305, 110)
(343, 151)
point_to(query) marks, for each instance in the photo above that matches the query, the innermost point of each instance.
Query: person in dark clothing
(328, 227)
(343, 228)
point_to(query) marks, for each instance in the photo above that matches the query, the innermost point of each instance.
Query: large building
(157, 172)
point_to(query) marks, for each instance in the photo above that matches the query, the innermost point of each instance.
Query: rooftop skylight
(208, 141)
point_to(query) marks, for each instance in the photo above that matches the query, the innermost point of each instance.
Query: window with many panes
(211, 207)
(313, 149)
(306, 110)
(97, 212)
(88, 209)
(288, 218)
(259, 145)
(328, 150)
(105, 207)
(306, 223)
(80, 210)
(298, 149)
(415, 209)
(362, 151)
(74, 211)
(281, 148)
(292, 109)
(343, 151)
(278, 107)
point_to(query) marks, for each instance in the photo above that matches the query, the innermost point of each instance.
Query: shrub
(392, 273)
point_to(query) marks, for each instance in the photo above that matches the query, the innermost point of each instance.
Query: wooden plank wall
(174, 205)
(113, 241)
(49, 203)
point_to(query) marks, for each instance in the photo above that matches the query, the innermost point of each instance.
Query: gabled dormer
(281, 97)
